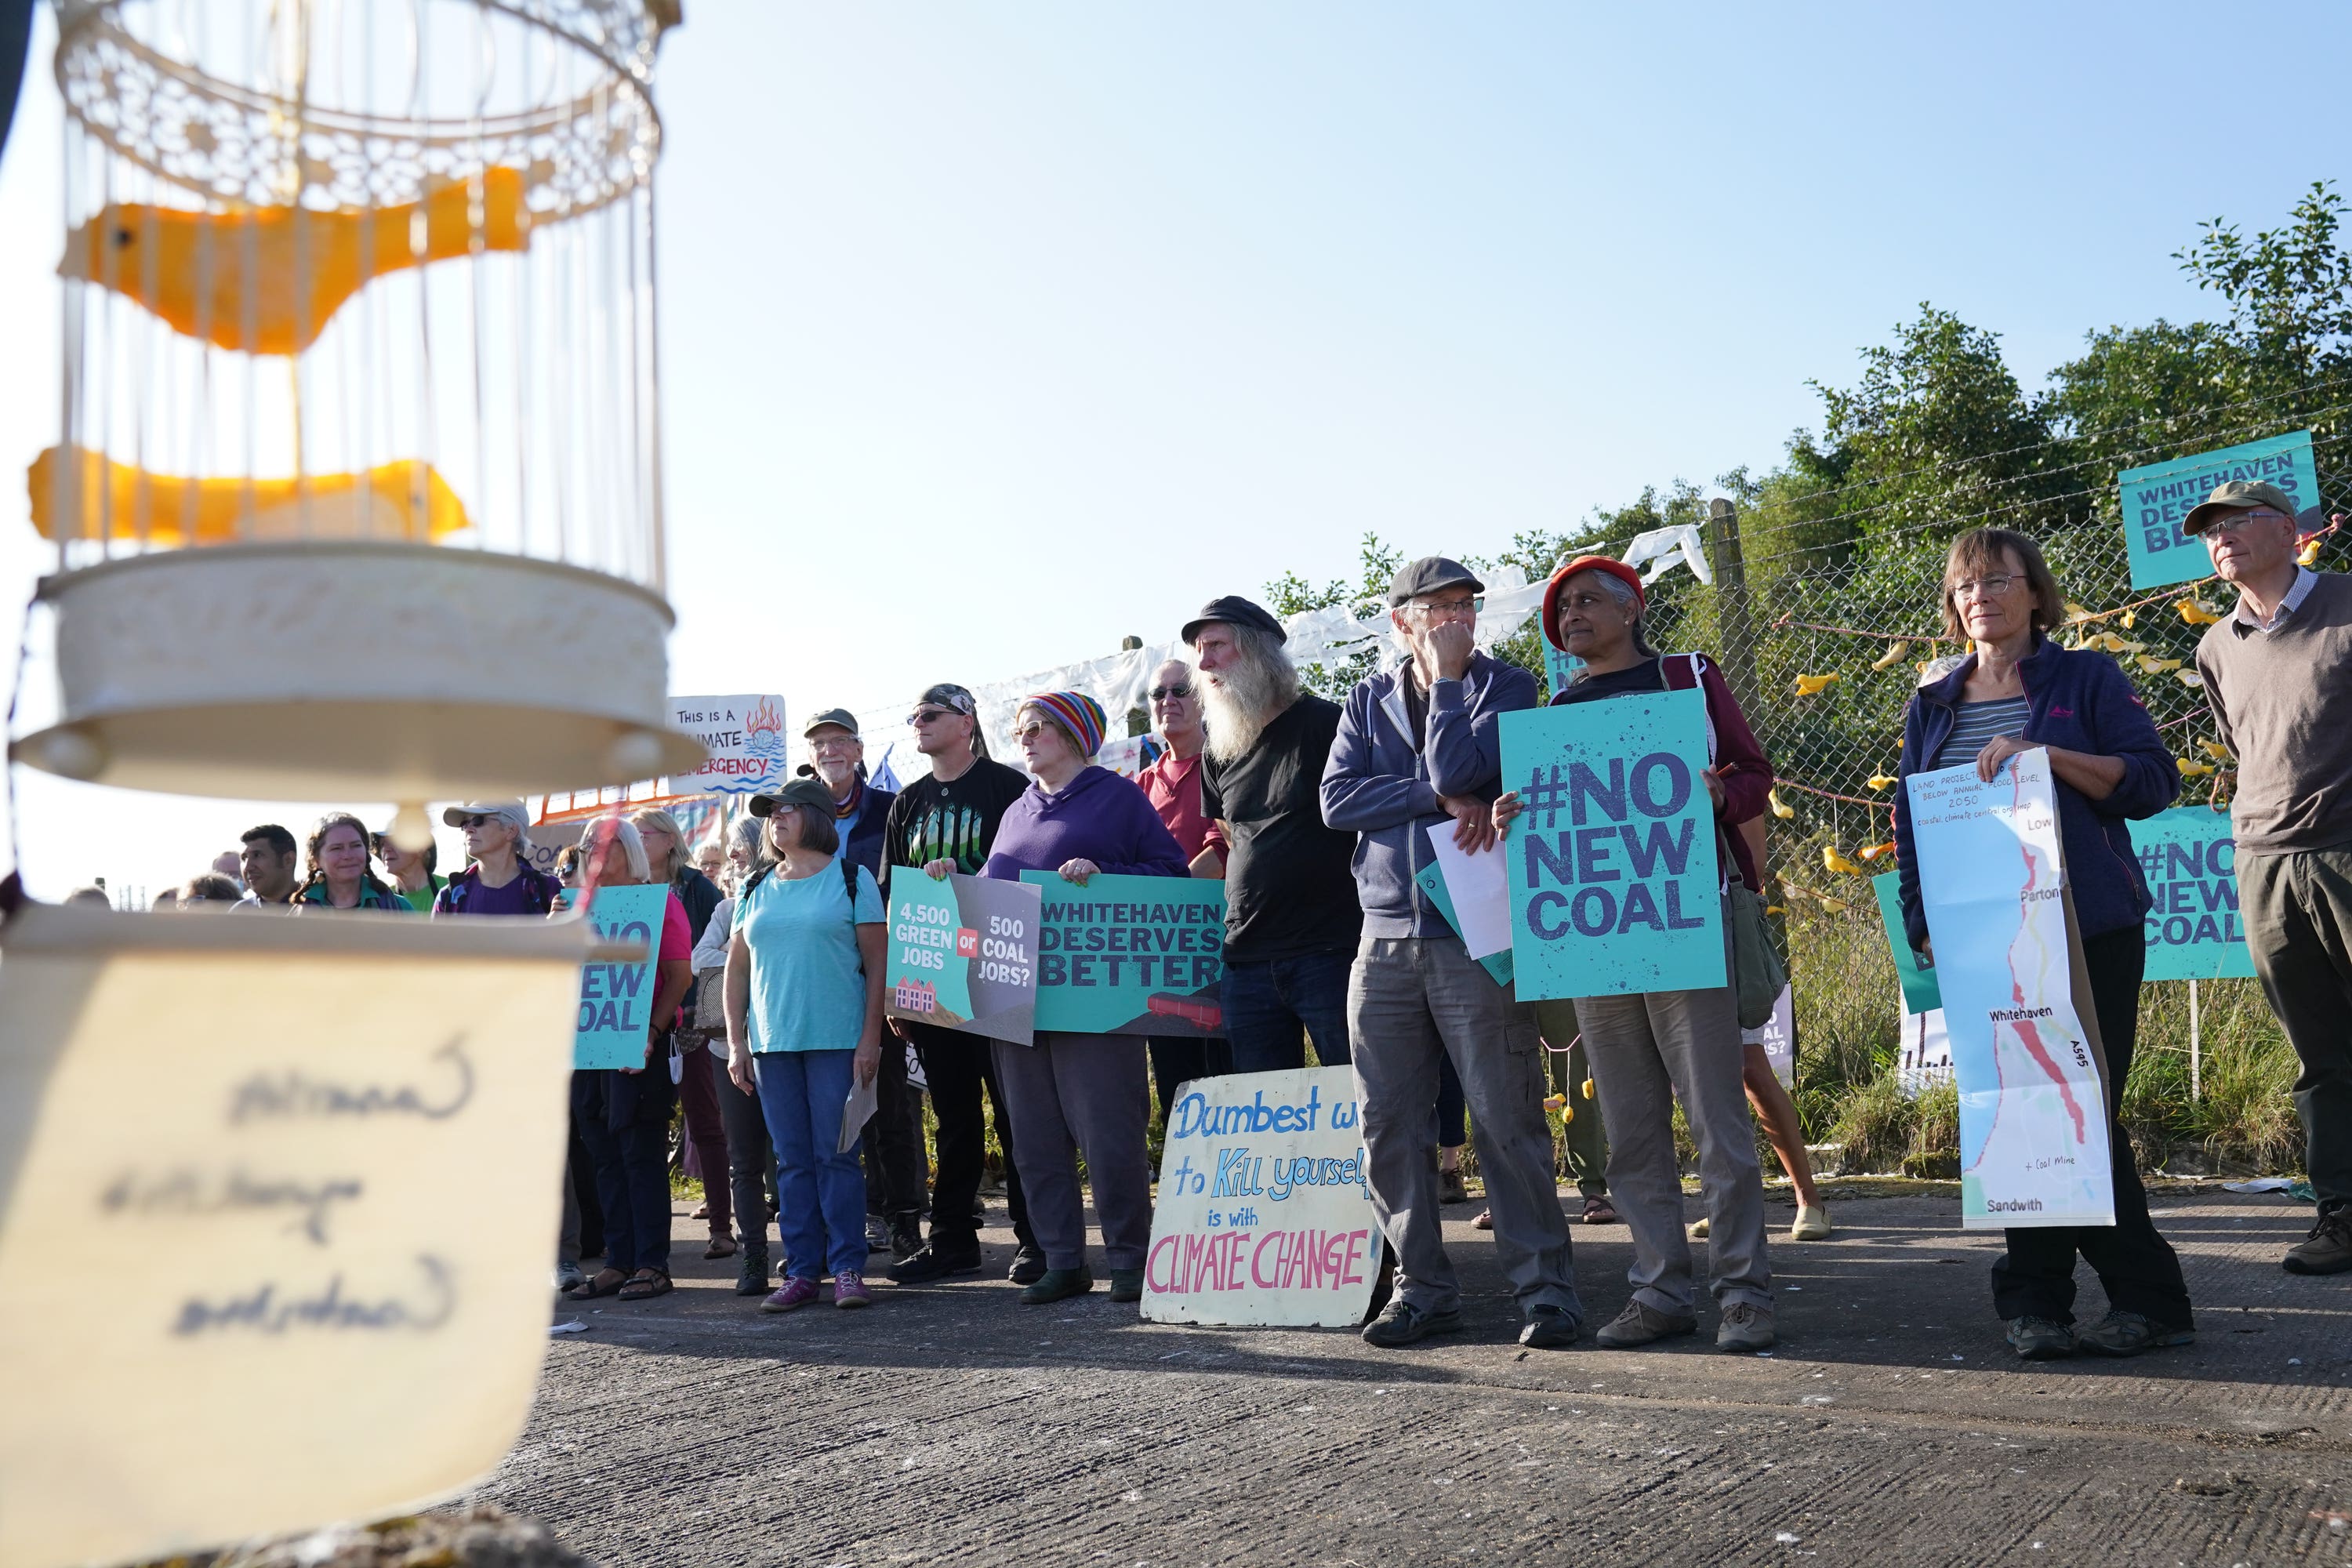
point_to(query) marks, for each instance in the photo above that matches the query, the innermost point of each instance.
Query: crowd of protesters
(767, 978)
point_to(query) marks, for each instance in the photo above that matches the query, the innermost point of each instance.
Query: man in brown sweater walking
(2278, 672)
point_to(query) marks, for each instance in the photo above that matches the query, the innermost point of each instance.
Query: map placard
(745, 737)
(2155, 498)
(1614, 882)
(2033, 1109)
(1920, 993)
(963, 954)
(2190, 861)
(1130, 955)
(1263, 1215)
(616, 999)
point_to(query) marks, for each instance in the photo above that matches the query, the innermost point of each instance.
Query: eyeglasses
(1023, 733)
(1449, 609)
(2238, 520)
(1163, 693)
(922, 716)
(466, 822)
(833, 742)
(1991, 587)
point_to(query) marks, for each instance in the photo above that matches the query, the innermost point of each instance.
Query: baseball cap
(800, 791)
(509, 811)
(1234, 611)
(2236, 495)
(841, 716)
(1427, 575)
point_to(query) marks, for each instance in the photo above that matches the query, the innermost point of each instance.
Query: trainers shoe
(1550, 1329)
(1402, 1323)
(932, 1263)
(569, 1279)
(1126, 1284)
(1812, 1223)
(752, 1274)
(1698, 1228)
(2129, 1333)
(2039, 1339)
(850, 1290)
(791, 1296)
(2329, 1248)
(877, 1233)
(1028, 1266)
(1057, 1285)
(1451, 1188)
(905, 1237)
(1745, 1327)
(1641, 1324)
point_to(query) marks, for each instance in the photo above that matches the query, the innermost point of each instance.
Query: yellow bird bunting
(2308, 555)
(1813, 685)
(2195, 612)
(2189, 770)
(2152, 665)
(1833, 859)
(2189, 678)
(1874, 851)
(2075, 612)
(2128, 617)
(407, 501)
(1772, 799)
(2215, 750)
(1886, 660)
(1880, 781)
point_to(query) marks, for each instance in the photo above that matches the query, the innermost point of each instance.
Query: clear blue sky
(994, 333)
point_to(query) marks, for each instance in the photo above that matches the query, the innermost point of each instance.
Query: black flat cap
(1427, 575)
(1234, 611)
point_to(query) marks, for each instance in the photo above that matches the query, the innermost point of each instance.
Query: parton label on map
(963, 955)
(1130, 955)
(1614, 882)
(2033, 1117)
(1264, 1215)
(2190, 861)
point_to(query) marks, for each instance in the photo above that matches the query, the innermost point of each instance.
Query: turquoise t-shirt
(808, 986)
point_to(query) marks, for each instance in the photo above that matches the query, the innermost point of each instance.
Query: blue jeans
(820, 1191)
(1266, 1004)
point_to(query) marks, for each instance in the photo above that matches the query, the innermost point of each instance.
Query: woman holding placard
(1070, 1092)
(2018, 689)
(1649, 1050)
(623, 1115)
(805, 967)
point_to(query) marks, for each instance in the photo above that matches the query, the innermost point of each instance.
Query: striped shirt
(1976, 724)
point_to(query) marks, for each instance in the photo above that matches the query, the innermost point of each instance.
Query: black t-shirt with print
(955, 820)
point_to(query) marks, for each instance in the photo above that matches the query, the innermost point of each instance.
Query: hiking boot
(1402, 1323)
(1744, 1326)
(1028, 1265)
(1812, 1223)
(850, 1290)
(2129, 1333)
(751, 1273)
(1057, 1285)
(1126, 1284)
(1550, 1329)
(2329, 1248)
(905, 1237)
(934, 1262)
(2040, 1339)
(1642, 1324)
(1452, 1188)
(791, 1296)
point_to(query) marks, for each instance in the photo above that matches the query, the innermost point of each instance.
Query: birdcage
(358, 489)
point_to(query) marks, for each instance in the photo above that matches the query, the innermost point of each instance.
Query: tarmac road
(950, 1424)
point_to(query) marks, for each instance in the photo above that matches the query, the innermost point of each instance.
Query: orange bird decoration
(404, 500)
(268, 280)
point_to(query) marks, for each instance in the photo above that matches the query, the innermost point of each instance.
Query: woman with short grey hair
(750, 1157)
(705, 1124)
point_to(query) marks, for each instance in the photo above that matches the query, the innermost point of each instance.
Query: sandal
(603, 1282)
(643, 1285)
(1601, 1211)
(720, 1247)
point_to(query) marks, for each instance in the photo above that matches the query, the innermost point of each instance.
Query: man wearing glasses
(948, 822)
(2278, 674)
(1419, 746)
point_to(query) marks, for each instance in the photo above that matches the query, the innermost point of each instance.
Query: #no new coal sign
(1612, 866)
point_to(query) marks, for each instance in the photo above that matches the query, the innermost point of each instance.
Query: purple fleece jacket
(1098, 817)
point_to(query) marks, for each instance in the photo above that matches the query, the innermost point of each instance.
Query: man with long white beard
(1291, 915)
(1419, 748)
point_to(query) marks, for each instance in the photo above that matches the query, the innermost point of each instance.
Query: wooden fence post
(1737, 653)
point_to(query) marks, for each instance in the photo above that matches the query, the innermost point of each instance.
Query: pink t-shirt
(1173, 786)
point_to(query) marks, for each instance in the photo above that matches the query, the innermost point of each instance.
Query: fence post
(1737, 653)
(1139, 719)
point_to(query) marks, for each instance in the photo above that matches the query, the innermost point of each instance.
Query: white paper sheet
(1480, 900)
(857, 1110)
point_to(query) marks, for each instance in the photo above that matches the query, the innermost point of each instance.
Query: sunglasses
(1162, 693)
(931, 715)
(464, 822)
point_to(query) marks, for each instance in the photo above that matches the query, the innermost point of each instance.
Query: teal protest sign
(2191, 862)
(1129, 955)
(1432, 881)
(616, 999)
(1920, 992)
(1560, 668)
(2155, 498)
(963, 955)
(1611, 865)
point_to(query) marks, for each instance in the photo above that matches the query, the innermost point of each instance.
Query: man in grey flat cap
(2278, 673)
(1419, 746)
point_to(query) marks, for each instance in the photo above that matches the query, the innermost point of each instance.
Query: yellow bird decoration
(2188, 678)
(1835, 906)
(1775, 910)
(2152, 665)
(1834, 860)
(1772, 799)
(1813, 685)
(2189, 770)
(268, 280)
(2195, 612)
(1588, 1088)
(1886, 660)
(2075, 612)
(1555, 1102)
(2128, 617)
(2308, 555)
(2215, 750)
(1872, 852)
(405, 499)
(1880, 781)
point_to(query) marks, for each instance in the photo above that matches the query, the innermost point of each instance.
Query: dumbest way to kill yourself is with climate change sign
(1612, 866)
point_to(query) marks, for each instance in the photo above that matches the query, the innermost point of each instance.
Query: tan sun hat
(2237, 495)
